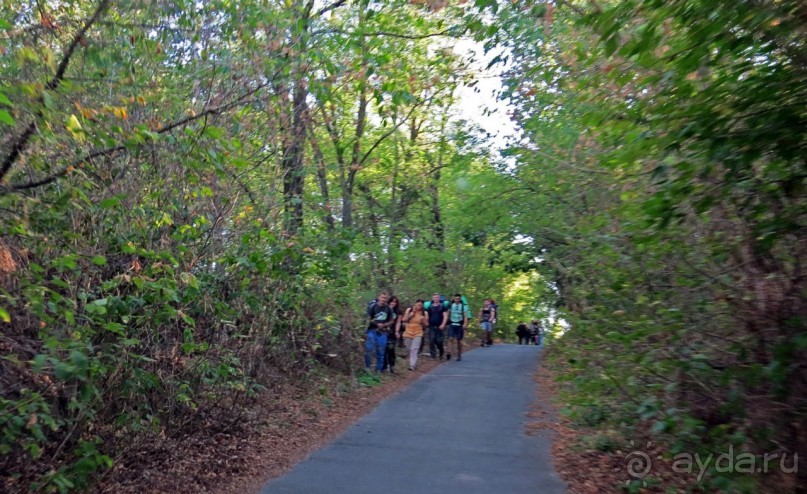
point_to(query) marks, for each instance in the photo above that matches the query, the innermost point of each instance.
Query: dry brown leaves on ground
(585, 472)
(590, 471)
(284, 429)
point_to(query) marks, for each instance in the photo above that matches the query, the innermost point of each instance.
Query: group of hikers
(437, 320)
(529, 334)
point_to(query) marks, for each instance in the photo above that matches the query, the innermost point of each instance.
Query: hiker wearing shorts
(457, 322)
(438, 316)
(487, 314)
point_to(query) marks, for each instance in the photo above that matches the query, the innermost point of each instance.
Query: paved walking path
(458, 429)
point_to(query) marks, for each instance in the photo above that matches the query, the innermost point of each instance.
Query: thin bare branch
(373, 34)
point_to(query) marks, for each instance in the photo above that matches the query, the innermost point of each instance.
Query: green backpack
(447, 304)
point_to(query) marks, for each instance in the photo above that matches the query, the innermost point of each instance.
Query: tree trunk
(322, 180)
(402, 197)
(294, 146)
(293, 163)
(438, 241)
(355, 159)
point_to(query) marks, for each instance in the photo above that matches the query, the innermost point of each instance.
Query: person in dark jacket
(523, 333)
(379, 327)
(393, 335)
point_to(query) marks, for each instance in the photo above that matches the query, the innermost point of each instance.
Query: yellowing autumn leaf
(74, 127)
(120, 112)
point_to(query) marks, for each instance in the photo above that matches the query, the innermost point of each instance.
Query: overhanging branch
(111, 151)
(21, 143)
(452, 31)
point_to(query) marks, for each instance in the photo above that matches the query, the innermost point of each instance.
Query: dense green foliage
(198, 199)
(665, 147)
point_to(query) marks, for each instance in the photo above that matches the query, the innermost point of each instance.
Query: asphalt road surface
(459, 429)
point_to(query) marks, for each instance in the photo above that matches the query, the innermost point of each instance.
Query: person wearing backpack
(438, 316)
(426, 306)
(535, 332)
(458, 321)
(523, 333)
(487, 314)
(468, 315)
(416, 323)
(393, 335)
(381, 321)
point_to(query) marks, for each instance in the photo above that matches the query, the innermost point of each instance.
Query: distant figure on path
(536, 332)
(523, 333)
(487, 314)
(381, 320)
(416, 323)
(458, 321)
(438, 316)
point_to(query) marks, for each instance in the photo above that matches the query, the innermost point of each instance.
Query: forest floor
(594, 461)
(292, 423)
(584, 470)
(284, 429)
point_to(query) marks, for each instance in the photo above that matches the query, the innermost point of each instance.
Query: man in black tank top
(487, 314)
